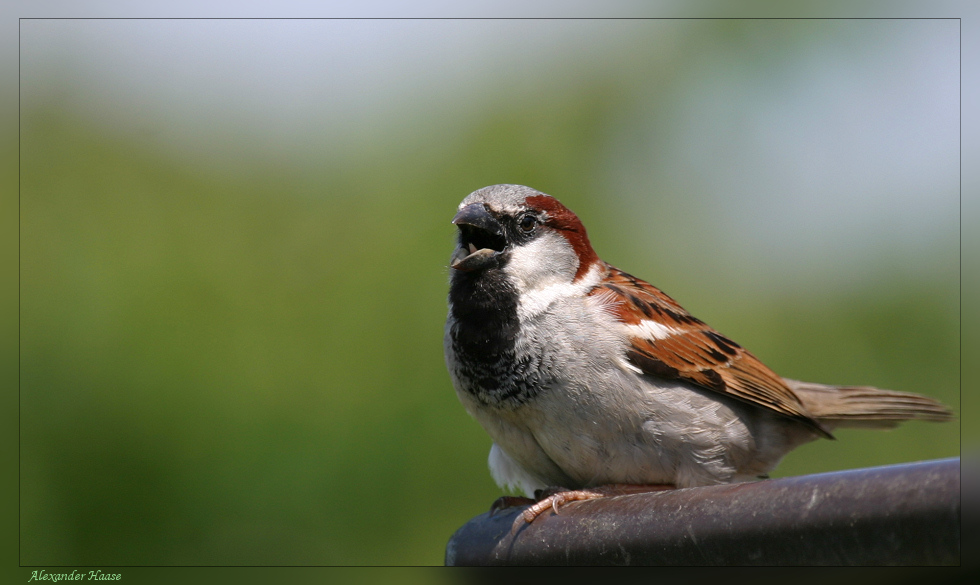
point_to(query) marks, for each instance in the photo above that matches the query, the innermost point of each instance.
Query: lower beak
(468, 261)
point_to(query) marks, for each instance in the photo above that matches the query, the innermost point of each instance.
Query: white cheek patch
(652, 330)
(543, 262)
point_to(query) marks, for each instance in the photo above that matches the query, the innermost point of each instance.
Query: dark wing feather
(690, 350)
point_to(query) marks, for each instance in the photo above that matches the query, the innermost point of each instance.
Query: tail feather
(865, 406)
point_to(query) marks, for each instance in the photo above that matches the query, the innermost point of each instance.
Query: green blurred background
(234, 238)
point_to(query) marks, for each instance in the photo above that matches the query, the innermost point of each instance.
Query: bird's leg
(555, 498)
(509, 502)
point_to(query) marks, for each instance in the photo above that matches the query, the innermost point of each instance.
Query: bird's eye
(528, 222)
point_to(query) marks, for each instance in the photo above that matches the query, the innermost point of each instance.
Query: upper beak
(476, 215)
(481, 238)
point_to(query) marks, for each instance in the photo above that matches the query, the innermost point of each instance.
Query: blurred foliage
(246, 368)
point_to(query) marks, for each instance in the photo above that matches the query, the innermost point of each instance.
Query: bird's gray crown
(504, 198)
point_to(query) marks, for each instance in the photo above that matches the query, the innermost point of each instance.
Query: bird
(594, 383)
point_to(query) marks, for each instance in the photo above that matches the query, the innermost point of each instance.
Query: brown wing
(667, 342)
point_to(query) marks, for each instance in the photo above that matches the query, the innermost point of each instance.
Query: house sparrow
(592, 382)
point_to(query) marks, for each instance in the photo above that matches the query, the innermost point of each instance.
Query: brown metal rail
(896, 515)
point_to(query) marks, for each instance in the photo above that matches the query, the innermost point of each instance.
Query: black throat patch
(484, 306)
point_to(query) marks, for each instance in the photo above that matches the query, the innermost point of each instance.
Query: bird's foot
(557, 497)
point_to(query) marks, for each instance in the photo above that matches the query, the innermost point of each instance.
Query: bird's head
(530, 236)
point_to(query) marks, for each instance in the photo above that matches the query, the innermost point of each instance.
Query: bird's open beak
(481, 238)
